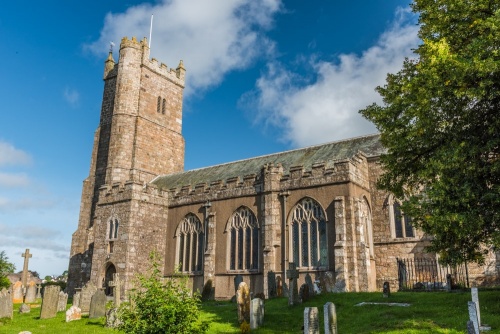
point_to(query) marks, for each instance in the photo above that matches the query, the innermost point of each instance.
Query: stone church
(316, 207)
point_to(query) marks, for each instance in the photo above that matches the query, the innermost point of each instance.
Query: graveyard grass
(436, 312)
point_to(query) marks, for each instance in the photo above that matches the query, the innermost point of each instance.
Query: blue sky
(262, 76)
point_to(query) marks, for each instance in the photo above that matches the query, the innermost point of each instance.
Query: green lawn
(437, 312)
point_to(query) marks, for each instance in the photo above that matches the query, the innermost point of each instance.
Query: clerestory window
(190, 241)
(243, 237)
(308, 235)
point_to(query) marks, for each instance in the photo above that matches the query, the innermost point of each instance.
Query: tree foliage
(6, 268)
(440, 124)
(161, 305)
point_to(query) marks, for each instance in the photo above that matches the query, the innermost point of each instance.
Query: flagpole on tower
(150, 30)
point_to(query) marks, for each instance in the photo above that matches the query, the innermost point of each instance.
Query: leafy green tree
(161, 305)
(6, 268)
(440, 124)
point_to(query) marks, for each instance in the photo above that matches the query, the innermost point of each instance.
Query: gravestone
(17, 292)
(449, 282)
(304, 293)
(330, 318)
(310, 284)
(243, 301)
(62, 301)
(49, 302)
(73, 313)
(85, 295)
(24, 277)
(386, 290)
(470, 327)
(24, 308)
(271, 284)
(473, 315)
(39, 291)
(256, 313)
(237, 280)
(311, 322)
(30, 293)
(76, 299)
(328, 282)
(6, 306)
(116, 286)
(475, 299)
(112, 320)
(293, 274)
(98, 305)
(279, 287)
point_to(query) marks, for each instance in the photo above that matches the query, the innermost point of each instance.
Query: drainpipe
(284, 236)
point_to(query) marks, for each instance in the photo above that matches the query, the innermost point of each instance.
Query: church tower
(138, 138)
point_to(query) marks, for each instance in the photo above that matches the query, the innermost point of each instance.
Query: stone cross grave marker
(293, 274)
(98, 304)
(473, 315)
(256, 313)
(243, 301)
(30, 293)
(62, 301)
(49, 302)
(39, 291)
(115, 284)
(6, 306)
(330, 318)
(311, 322)
(26, 256)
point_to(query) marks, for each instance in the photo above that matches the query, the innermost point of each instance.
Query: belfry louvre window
(158, 105)
(190, 239)
(400, 222)
(308, 235)
(243, 233)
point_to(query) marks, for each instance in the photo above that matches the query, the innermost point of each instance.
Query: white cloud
(211, 37)
(9, 155)
(10, 180)
(327, 109)
(71, 96)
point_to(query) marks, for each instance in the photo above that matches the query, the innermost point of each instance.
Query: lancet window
(401, 226)
(190, 240)
(112, 233)
(243, 237)
(308, 235)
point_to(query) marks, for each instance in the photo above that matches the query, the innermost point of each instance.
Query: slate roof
(328, 153)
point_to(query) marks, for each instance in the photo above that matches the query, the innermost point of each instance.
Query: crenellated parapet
(130, 190)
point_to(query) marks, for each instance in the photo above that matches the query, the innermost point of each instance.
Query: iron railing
(429, 275)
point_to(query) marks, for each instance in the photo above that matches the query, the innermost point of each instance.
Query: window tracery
(243, 237)
(190, 240)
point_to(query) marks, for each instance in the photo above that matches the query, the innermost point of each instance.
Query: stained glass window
(243, 240)
(190, 240)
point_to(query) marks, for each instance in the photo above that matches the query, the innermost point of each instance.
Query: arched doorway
(108, 277)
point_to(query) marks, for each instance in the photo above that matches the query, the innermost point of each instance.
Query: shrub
(161, 305)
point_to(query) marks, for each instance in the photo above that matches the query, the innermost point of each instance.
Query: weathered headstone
(39, 291)
(98, 305)
(237, 280)
(475, 299)
(73, 313)
(329, 282)
(293, 274)
(473, 315)
(304, 293)
(76, 299)
(311, 322)
(62, 301)
(85, 295)
(243, 301)
(116, 285)
(6, 306)
(49, 302)
(17, 292)
(386, 290)
(112, 320)
(24, 308)
(256, 313)
(271, 284)
(279, 287)
(330, 318)
(310, 284)
(470, 327)
(30, 293)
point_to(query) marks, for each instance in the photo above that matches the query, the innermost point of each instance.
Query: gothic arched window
(308, 235)
(243, 238)
(190, 239)
(112, 233)
(400, 222)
